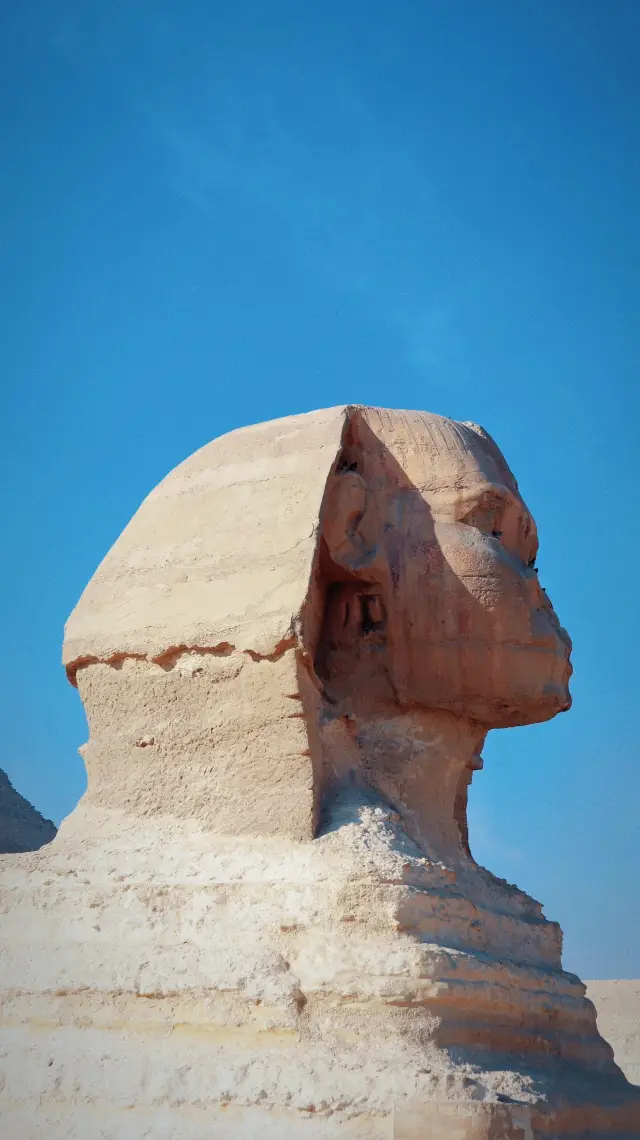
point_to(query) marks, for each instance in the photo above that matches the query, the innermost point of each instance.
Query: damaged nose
(545, 615)
(551, 616)
(565, 639)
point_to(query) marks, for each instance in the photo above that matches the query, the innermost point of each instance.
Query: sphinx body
(264, 918)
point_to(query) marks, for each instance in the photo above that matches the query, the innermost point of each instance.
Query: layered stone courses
(264, 918)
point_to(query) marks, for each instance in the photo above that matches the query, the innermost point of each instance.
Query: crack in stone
(169, 657)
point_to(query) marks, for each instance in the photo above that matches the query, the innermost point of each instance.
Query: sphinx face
(439, 580)
(485, 637)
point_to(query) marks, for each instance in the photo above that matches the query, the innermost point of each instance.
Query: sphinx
(264, 918)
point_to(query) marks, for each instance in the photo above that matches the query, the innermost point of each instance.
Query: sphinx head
(351, 566)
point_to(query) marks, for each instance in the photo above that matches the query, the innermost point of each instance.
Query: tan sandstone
(264, 918)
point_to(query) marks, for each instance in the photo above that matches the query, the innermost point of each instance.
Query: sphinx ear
(346, 527)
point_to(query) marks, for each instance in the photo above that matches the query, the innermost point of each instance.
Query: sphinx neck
(421, 763)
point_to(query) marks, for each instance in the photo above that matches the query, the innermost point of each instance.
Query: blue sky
(215, 214)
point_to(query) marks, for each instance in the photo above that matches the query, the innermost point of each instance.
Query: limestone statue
(264, 918)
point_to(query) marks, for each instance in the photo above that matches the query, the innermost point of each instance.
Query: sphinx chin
(548, 703)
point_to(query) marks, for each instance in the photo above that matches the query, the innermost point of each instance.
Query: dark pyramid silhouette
(22, 828)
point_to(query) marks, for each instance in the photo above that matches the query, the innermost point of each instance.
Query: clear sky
(220, 213)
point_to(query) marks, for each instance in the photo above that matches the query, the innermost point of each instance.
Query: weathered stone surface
(618, 1008)
(219, 552)
(264, 919)
(22, 828)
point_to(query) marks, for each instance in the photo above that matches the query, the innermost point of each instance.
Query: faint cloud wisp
(339, 195)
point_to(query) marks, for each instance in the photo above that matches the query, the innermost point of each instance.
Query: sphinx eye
(487, 514)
